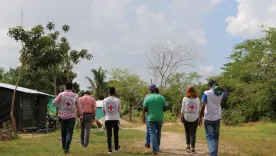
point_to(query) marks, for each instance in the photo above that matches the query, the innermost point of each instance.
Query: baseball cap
(152, 86)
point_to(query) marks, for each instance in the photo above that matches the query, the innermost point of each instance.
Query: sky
(119, 33)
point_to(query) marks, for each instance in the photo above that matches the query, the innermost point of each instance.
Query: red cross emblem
(110, 107)
(67, 103)
(192, 107)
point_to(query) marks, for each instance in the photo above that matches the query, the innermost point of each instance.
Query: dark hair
(211, 83)
(156, 90)
(68, 85)
(87, 92)
(191, 92)
(111, 91)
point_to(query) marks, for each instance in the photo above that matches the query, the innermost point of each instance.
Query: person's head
(111, 91)
(211, 83)
(156, 90)
(68, 86)
(87, 92)
(191, 92)
(152, 88)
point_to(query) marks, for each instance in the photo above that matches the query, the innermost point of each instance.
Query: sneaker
(147, 145)
(188, 148)
(66, 152)
(193, 151)
(109, 152)
(117, 149)
(154, 153)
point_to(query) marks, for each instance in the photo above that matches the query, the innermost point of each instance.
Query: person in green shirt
(154, 105)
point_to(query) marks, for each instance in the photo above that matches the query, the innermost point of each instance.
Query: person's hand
(182, 121)
(81, 117)
(199, 122)
(143, 119)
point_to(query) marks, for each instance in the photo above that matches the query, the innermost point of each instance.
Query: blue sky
(120, 33)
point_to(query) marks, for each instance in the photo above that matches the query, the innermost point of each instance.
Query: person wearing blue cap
(147, 143)
(154, 105)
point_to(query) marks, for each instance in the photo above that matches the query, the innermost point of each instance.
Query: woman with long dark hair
(189, 116)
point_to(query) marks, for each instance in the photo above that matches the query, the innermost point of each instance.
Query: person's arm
(79, 107)
(119, 106)
(202, 108)
(94, 106)
(165, 105)
(182, 110)
(145, 110)
(57, 100)
(103, 108)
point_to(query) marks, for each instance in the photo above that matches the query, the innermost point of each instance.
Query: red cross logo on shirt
(192, 107)
(67, 103)
(110, 107)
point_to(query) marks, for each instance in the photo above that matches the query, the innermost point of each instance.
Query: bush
(168, 116)
(233, 116)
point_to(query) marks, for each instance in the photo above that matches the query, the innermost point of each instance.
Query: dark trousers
(85, 128)
(190, 130)
(109, 124)
(67, 129)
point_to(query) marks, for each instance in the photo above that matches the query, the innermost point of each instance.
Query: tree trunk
(130, 110)
(55, 85)
(14, 129)
(55, 92)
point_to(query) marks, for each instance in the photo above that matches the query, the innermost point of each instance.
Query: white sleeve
(183, 105)
(198, 104)
(103, 108)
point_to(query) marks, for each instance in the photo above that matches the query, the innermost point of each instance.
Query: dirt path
(173, 143)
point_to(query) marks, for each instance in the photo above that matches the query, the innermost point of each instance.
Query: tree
(166, 58)
(250, 78)
(98, 84)
(130, 89)
(1, 73)
(38, 52)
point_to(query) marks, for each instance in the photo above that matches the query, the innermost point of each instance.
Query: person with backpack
(111, 108)
(67, 114)
(189, 116)
(211, 109)
(88, 106)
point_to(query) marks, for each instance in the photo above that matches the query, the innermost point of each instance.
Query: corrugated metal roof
(22, 89)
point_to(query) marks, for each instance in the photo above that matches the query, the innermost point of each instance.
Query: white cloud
(198, 36)
(251, 14)
(207, 69)
(117, 32)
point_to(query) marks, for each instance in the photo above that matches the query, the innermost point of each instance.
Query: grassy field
(253, 139)
(50, 145)
(256, 139)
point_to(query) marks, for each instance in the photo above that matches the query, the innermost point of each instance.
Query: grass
(50, 145)
(253, 139)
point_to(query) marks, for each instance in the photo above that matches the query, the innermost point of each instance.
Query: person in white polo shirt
(211, 108)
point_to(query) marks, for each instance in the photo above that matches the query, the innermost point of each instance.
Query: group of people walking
(154, 106)
(192, 112)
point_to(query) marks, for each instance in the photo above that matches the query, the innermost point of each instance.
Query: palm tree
(98, 84)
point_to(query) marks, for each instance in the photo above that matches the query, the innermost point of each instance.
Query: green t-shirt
(155, 104)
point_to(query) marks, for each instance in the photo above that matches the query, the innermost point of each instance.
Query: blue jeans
(67, 128)
(147, 132)
(155, 128)
(212, 135)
